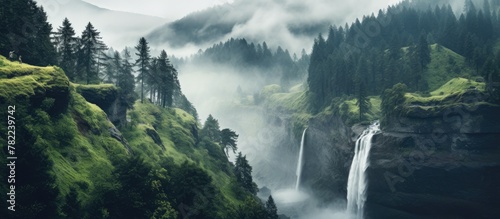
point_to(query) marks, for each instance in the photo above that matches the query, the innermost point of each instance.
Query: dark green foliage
(181, 102)
(72, 206)
(272, 210)
(135, 196)
(67, 47)
(138, 192)
(392, 100)
(125, 79)
(211, 129)
(422, 56)
(491, 72)
(393, 47)
(143, 62)
(162, 81)
(213, 149)
(25, 31)
(193, 191)
(228, 140)
(243, 173)
(89, 54)
(35, 188)
(252, 208)
(363, 102)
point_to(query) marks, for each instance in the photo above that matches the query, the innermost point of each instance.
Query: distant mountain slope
(117, 28)
(291, 24)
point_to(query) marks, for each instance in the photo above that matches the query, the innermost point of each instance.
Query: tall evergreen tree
(125, 80)
(143, 62)
(243, 173)
(166, 79)
(67, 42)
(91, 48)
(211, 129)
(363, 101)
(25, 31)
(228, 140)
(272, 210)
(423, 56)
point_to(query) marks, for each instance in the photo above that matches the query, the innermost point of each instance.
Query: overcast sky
(170, 9)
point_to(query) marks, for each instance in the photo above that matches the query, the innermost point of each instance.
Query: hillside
(121, 28)
(445, 64)
(67, 149)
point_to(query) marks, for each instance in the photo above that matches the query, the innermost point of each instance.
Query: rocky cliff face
(328, 153)
(436, 161)
(107, 98)
(440, 162)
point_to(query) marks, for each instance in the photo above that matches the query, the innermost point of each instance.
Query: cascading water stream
(299, 162)
(357, 182)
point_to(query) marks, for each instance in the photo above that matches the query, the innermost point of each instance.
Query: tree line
(279, 63)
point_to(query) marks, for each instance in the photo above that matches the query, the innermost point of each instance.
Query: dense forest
(373, 54)
(254, 60)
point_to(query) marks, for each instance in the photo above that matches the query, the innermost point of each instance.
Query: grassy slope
(295, 102)
(174, 128)
(455, 86)
(445, 65)
(78, 140)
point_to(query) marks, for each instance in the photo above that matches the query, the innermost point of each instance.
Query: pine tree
(24, 29)
(363, 101)
(90, 52)
(423, 57)
(243, 173)
(143, 52)
(166, 79)
(125, 80)
(272, 210)
(228, 140)
(67, 43)
(211, 129)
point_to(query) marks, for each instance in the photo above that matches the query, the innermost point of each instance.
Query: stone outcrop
(107, 98)
(439, 164)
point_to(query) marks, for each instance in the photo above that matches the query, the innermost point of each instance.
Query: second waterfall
(357, 182)
(299, 162)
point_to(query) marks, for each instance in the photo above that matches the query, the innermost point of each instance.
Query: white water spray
(356, 184)
(299, 162)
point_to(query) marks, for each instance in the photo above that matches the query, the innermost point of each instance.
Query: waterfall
(299, 162)
(357, 182)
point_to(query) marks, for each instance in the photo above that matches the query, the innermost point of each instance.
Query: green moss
(23, 80)
(445, 64)
(454, 87)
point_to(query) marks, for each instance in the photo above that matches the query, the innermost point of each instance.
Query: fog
(273, 21)
(291, 24)
(117, 29)
(265, 137)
